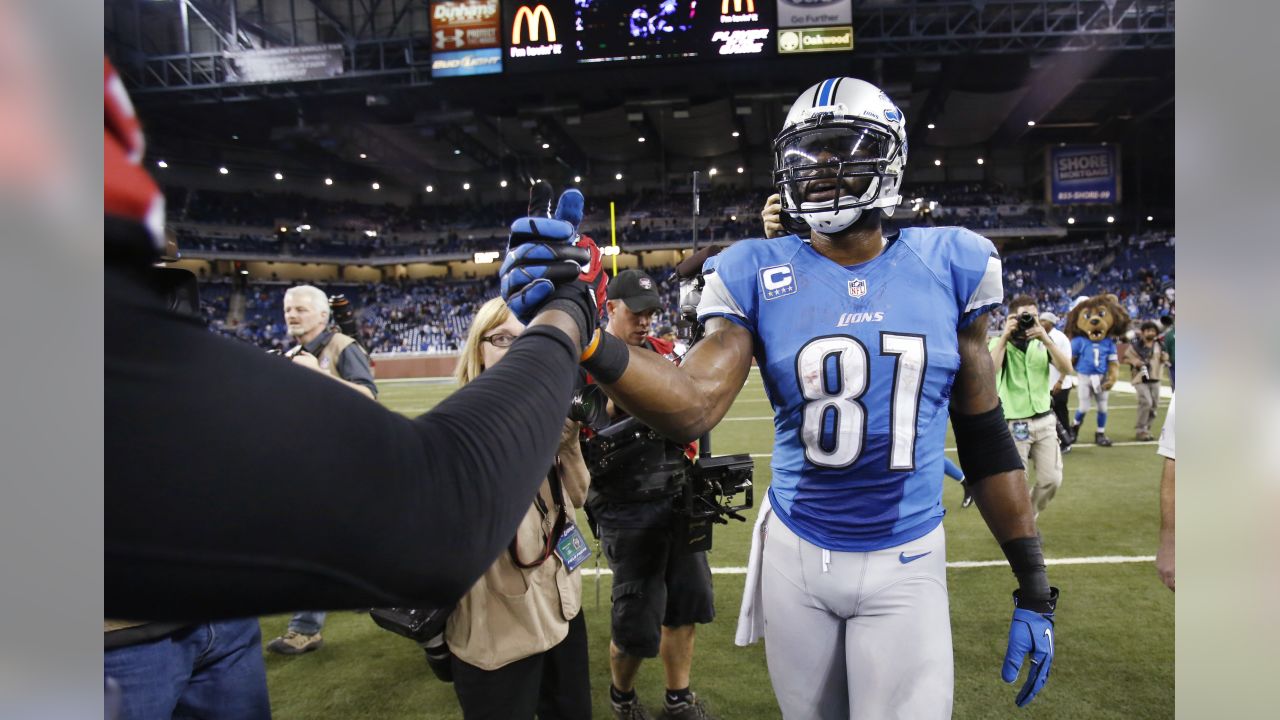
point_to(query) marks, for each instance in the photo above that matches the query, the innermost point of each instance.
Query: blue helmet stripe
(825, 97)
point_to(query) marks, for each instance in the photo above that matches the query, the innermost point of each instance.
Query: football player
(866, 344)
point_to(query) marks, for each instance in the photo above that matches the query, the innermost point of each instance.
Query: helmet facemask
(830, 167)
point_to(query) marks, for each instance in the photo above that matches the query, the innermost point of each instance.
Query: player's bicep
(974, 390)
(718, 364)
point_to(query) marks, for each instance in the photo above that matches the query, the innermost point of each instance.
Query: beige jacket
(512, 613)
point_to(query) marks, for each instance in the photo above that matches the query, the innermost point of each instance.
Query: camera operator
(660, 589)
(1146, 360)
(339, 356)
(399, 511)
(1060, 384)
(1022, 355)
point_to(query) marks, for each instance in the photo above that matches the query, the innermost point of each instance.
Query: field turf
(1115, 620)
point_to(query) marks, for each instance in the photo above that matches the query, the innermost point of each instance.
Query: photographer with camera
(338, 356)
(518, 638)
(1146, 359)
(1023, 355)
(661, 589)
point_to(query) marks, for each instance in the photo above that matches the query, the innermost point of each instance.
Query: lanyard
(548, 540)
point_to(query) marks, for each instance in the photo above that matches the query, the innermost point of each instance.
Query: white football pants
(859, 635)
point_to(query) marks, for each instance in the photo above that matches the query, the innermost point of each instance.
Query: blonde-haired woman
(518, 638)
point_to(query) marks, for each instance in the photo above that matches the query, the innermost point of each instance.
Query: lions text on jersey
(858, 363)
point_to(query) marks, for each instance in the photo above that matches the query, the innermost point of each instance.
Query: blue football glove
(1030, 635)
(547, 259)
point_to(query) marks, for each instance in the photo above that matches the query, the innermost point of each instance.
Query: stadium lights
(223, 170)
(640, 139)
(546, 146)
(456, 151)
(431, 188)
(981, 161)
(376, 186)
(617, 176)
(1031, 123)
(503, 183)
(741, 170)
(1150, 218)
(363, 156)
(937, 162)
(484, 258)
(609, 250)
(328, 181)
(932, 126)
(1111, 218)
(736, 133)
(713, 171)
(577, 178)
(162, 164)
(733, 218)
(244, 271)
(371, 233)
(466, 186)
(284, 229)
(279, 176)
(1071, 221)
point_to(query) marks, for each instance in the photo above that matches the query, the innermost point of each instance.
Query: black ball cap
(637, 290)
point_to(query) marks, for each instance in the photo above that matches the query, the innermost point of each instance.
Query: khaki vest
(512, 613)
(328, 358)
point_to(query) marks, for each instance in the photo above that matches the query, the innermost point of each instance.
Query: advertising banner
(813, 13)
(466, 37)
(810, 40)
(1083, 174)
(285, 64)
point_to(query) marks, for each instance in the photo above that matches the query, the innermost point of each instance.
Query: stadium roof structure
(983, 73)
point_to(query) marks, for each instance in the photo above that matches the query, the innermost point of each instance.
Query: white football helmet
(842, 149)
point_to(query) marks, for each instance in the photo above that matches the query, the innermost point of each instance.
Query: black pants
(556, 684)
(1059, 406)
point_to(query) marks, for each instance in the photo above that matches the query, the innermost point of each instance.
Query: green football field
(1114, 637)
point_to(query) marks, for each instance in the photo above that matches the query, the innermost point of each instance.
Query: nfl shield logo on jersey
(857, 288)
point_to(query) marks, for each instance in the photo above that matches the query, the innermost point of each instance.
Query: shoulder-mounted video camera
(708, 490)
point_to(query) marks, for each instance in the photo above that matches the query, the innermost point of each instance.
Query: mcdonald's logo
(737, 6)
(531, 19)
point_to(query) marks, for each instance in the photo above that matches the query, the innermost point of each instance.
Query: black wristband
(609, 359)
(1026, 559)
(984, 445)
(575, 310)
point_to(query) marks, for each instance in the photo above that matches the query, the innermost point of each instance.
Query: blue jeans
(213, 671)
(307, 622)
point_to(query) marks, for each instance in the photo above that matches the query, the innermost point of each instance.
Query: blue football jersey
(858, 364)
(1093, 358)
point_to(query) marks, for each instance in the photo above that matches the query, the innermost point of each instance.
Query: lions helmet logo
(893, 114)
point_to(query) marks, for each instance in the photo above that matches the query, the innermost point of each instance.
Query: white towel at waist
(751, 614)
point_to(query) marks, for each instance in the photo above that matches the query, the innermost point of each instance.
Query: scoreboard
(548, 35)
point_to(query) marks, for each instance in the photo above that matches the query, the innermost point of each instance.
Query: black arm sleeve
(237, 484)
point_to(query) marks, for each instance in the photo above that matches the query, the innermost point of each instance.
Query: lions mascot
(1094, 323)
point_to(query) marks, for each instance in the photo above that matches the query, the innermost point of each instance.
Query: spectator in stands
(324, 349)
(1146, 360)
(1022, 355)
(518, 638)
(1060, 383)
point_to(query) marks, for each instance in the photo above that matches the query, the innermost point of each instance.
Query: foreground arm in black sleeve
(237, 484)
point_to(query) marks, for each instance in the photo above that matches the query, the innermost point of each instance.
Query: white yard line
(1095, 560)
